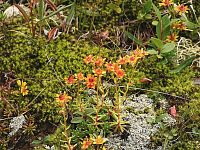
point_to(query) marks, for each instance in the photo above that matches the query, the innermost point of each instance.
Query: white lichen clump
(141, 129)
(16, 123)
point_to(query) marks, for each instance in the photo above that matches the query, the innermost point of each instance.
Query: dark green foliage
(185, 134)
(179, 84)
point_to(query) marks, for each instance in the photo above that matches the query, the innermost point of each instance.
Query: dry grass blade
(26, 17)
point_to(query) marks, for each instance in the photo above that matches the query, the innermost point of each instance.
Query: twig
(158, 92)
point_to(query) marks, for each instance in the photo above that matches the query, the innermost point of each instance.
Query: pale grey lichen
(16, 123)
(140, 130)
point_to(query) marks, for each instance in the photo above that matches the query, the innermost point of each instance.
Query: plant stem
(65, 127)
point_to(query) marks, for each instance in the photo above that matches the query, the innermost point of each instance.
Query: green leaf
(36, 142)
(147, 7)
(55, 12)
(157, 11)
(184, 64)
(155, 23)
(152, 52)
(165, 21)
(191, 25)
(165, 26)
(89, 111)
(157, 42)
(114, 7)
(158, 30)
(168, 47)
(41, 9)
(132, 37)
(77, 120)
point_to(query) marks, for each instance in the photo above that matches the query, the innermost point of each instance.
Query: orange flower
(99, 140)
(63, 98)
(166, 3)
(99, 72)
(122, 60)
(109, 67)
(179, 25)
(119, 73)
(116, 66)
(88, 59)
(181, 9)
(91, 81)
(172, 38)
(86, 144)
(70, 80)
(23, 87)
(99, 61)
(80, 76)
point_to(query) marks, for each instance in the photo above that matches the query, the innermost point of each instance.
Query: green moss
(43, 65)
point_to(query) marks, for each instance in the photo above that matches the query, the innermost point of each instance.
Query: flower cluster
(93, 141)
(23, 87)
(176, 10)
(180, 9)
(101, 67)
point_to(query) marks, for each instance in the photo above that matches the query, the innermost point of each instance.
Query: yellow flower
(63, 98)
(23, 87)
(166, 3)
(181, 9)
(132, 59)
(140, 53)
(99, 140)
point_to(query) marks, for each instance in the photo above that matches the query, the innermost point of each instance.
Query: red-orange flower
(70, 80)
(88, 59)
(166, 3)
(63, 98)
(109, 67)
(181, 9)
(86, 144)
(80, 76)
(99, 72)
(172, 38)
(91, 81)
(99, 61)
(120, 73)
